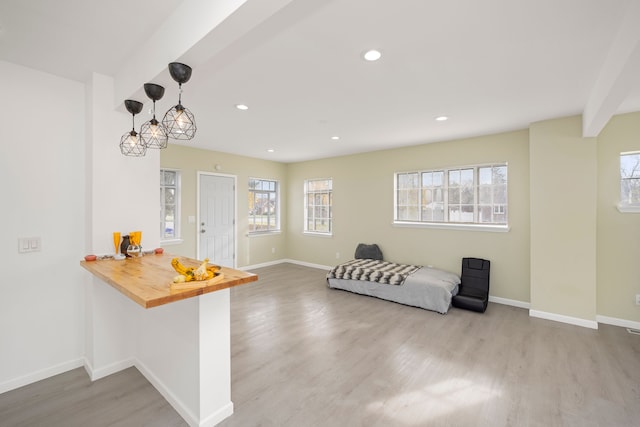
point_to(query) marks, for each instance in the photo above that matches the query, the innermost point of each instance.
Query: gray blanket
(427, 288)
(372, 270)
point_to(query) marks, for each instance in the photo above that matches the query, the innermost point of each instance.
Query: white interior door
(217, 219)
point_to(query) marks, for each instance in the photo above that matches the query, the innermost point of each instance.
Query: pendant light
(131, 144)
(152, 132)
(179, 122)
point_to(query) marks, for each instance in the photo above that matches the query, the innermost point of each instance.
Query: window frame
(448, 192)
(253, 191)
(625, 207)
(177, 207)
(329, 207)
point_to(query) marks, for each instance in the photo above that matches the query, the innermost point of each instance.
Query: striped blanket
(373, 271)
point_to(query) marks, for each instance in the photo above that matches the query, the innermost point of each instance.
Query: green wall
(363, 210)
(190, 161)
(563, 219)
(618, 234)
(568, 251)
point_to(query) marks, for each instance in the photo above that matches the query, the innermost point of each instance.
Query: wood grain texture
(305, 355)
(147, 279)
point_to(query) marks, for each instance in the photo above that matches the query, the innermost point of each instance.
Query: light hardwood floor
(306, 355)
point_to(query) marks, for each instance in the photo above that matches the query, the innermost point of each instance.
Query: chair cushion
(365, 251)
(469, 302)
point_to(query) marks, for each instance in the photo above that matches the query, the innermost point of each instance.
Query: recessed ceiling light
(372, 55)
(271, 150)
(241, 107)
(442, 118)
(335, 138)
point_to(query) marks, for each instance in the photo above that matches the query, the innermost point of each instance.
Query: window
(630, 180)
(468, 195)
(169, 204)
(264, 209)
(318, 195)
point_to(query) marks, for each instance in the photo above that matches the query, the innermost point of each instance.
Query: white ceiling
(491, 65)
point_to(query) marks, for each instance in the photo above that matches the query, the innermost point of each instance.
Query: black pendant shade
(181, 73)
(131, 144)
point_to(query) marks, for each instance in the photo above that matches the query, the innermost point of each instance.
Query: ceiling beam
(619, 74)
(194, 33)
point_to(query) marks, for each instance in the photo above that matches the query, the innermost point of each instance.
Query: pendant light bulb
(132, 144)
(151, 131)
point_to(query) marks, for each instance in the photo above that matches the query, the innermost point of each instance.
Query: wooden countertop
(147, 279)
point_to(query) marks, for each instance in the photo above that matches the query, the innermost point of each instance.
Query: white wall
(42, 172)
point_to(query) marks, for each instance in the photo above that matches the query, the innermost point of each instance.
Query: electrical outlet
(337, 255)
(273, 250)
(637, 299)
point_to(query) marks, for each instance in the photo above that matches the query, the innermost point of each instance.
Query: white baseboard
(264, 264)
(96, 374)
(309, 264)
(618, 322)
(40, 375)
(283, 261)
(592, 324)
(213, 419)
(217, 417)
(176, 403)
(511, 302)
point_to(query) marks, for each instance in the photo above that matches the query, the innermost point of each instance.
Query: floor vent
(633, 331)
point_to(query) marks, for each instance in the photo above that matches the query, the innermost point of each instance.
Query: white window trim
(624, 207)
(170, 242)
(278, 228)
(628, 208)
(306, 210)
(252, 234)
(496, 228)
(318, 233)
(177, 224)
(501, 228)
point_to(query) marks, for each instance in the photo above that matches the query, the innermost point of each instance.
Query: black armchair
(473, 293)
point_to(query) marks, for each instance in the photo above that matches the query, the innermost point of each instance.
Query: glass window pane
(413, 197)
(169, 178)
(484, 214)
(466, 177)
(500, 194)
(485, 175)
(500, 175)
(630, 166)
(454, 213)
(427, 179)
(466, 213)
(466, 195)
(454, 195)
(454, 177)
(484, 195)
(438, 178)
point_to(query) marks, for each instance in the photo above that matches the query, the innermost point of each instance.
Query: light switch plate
(29, 244)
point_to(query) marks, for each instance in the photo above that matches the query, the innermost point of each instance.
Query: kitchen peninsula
(179, 340)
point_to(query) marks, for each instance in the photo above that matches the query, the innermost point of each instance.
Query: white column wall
(124, 190)
(43, 193)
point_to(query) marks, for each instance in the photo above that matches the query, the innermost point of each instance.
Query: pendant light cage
(152, 132)
(131, 143)
(179, 123)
